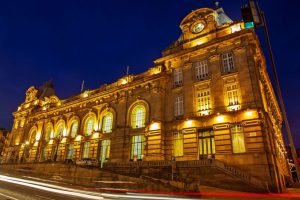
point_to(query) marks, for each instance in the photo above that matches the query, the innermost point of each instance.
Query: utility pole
(254, 17)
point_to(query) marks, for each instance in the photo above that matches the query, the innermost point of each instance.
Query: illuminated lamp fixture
(85, 94)
(220, 118)
(235, 28)
(64, 140)
(189, 123)
(154, 126)
(234, 108)
(96, 134)
(249, 113)
(124, 81)
(204, 113)
(78, 138)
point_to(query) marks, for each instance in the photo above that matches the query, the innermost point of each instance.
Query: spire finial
(217, 4)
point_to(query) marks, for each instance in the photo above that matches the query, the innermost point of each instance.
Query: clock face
(197, 28)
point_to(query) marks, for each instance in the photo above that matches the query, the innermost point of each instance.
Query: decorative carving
(31, 94)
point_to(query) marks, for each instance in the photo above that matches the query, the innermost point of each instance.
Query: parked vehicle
(87, 162)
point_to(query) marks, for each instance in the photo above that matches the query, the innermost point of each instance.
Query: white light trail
(43, 186)
(82, 193)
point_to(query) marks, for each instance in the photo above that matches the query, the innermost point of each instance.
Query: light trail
(141, 196)
(50, 188)
(82, 193)
(8, 196)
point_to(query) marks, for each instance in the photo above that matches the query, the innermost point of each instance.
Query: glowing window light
(107, 123)
(138, 116)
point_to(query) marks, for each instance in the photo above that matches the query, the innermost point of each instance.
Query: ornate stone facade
(208, 97)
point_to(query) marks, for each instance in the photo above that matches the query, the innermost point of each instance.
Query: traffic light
(251, 15)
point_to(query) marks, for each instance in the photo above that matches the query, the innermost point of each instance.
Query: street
(12, 188)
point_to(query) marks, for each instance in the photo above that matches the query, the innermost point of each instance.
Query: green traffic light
(249, 24)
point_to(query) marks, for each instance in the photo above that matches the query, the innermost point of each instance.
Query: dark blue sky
(94, 40)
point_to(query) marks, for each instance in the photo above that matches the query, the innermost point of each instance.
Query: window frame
(228, 63)
(206, 98)
(107, 126)
(201, 69)
(60, 127)
(232, 94)
(104, 143)
(140, 144)
(86, 149)
(178, 77)
(234, 134)
(72, 126)
(46, 133)
(178, 106)
(178, 138)
(86, 124)
(138, 120)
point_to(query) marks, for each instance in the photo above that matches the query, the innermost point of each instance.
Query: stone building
(3, 135)
(208, 97)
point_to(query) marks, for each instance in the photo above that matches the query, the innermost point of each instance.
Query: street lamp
(57, 146)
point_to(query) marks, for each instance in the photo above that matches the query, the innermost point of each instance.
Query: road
(12, 191)
(13, 187)
(25, 188)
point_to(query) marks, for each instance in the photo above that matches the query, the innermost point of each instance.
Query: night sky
(94, 41)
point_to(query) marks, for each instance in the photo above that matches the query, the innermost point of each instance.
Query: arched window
(32, 136)
(48, 133)
(107, 122)
(74, 129)
(89, 126)
(138, 116)
(59, 130)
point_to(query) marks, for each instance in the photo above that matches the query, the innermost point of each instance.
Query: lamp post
(57, 146)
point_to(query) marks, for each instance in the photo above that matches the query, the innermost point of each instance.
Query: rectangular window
(227, 61)
(86, 149)
(104, 151)
(70, 152)
(201, 69)
(238, 141)
(232, 94)
(178, 106)
(45, 154)
(203, 100)
(137, 147)
(207, 147)
(178, 77)
(178, 144)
